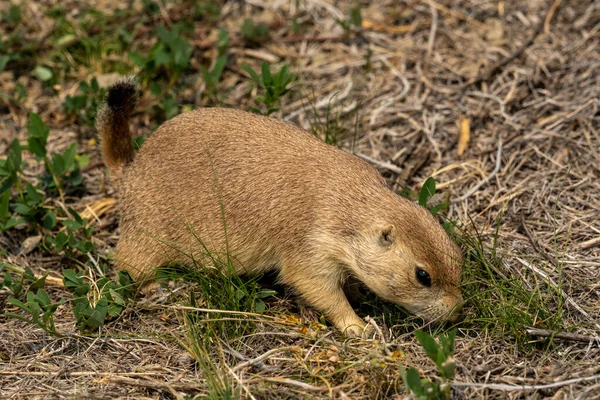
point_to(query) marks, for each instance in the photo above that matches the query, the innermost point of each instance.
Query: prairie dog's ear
(387, 235)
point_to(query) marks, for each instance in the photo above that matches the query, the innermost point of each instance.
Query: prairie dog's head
(411, 261)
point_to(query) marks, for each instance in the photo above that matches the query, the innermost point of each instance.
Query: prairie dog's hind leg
(140, 260)
(321, 287)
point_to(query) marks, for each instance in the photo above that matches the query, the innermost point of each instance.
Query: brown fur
(274, 197)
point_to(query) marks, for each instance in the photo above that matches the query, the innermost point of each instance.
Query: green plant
(220, 288)
(354, 21)
(213, 76)
(274, 86)
(334, 127)
(93, 305)
(171, 53)
(62, 169)
(40, 309)
(254, 34)
(501, 303)
(85, 105)
(97, 304)
(441, 354)
(427, 191)
(222, 41)
(12, 17)
(76, 234)
(18, 286)
(206, 10)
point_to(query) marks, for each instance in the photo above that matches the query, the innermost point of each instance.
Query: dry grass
(524, 78)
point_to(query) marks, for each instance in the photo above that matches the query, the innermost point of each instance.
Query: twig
(550, 14)
(563, 293)
(456, 14)
(432, 32)
(211, 310)
(151, 383)
(50, 280)
(237, 378)
(505, 387)
(319, 340)
(534, 244)
(320, 38)
(80, 373)
(575, 337)
(494, 69)
(299, 384)
(262, 357)
(487, 178)
(382, 164)
(371, 321)
(590, 243)
(242, 357)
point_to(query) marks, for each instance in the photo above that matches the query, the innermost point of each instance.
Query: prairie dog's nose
(456, 310)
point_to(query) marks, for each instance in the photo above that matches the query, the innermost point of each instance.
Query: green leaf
(13, 159)
(447, 368)
(49, 220)
(413, 381)
(70, 276)
(69, 157)
(36, 147)
(33, 196)
(218, 68)
(58, 165)
(18, 303)
(76, 216)
(251, 72)
(137, 59)
(4, 201)
(42, 73)
(12, 222)
(114, 310)
(266, 74)
(98, 316)
(428, 343)
(17, 316)
(42, 296)
(22, 209)
(117, 298)
(37, 128)
(355, 16)
(82, 160)
(438, 208)
(4, 59)
(264, 293)
(259, 306)
(39, 284)
(427, 191)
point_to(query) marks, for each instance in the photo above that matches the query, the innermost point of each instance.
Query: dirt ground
(498, 100)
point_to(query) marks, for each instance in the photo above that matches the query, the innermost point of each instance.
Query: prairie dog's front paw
(357, 329)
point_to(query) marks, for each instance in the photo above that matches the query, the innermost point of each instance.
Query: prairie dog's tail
(112, 124)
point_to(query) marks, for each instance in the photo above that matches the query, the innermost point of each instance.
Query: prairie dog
(273, 197)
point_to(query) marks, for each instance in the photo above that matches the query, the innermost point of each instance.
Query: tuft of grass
(501, 303)
(335, 126)
(274, 85)
(254, 34)
(170, 56)
(217, 287)
(85, 105)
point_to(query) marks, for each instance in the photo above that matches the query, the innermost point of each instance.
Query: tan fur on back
(274, 197)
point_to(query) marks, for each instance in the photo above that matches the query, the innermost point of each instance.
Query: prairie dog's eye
(423, 277)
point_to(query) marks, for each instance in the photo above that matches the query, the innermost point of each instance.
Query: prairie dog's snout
(276, 198)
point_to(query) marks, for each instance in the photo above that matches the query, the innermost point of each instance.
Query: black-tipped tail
(112, 123)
